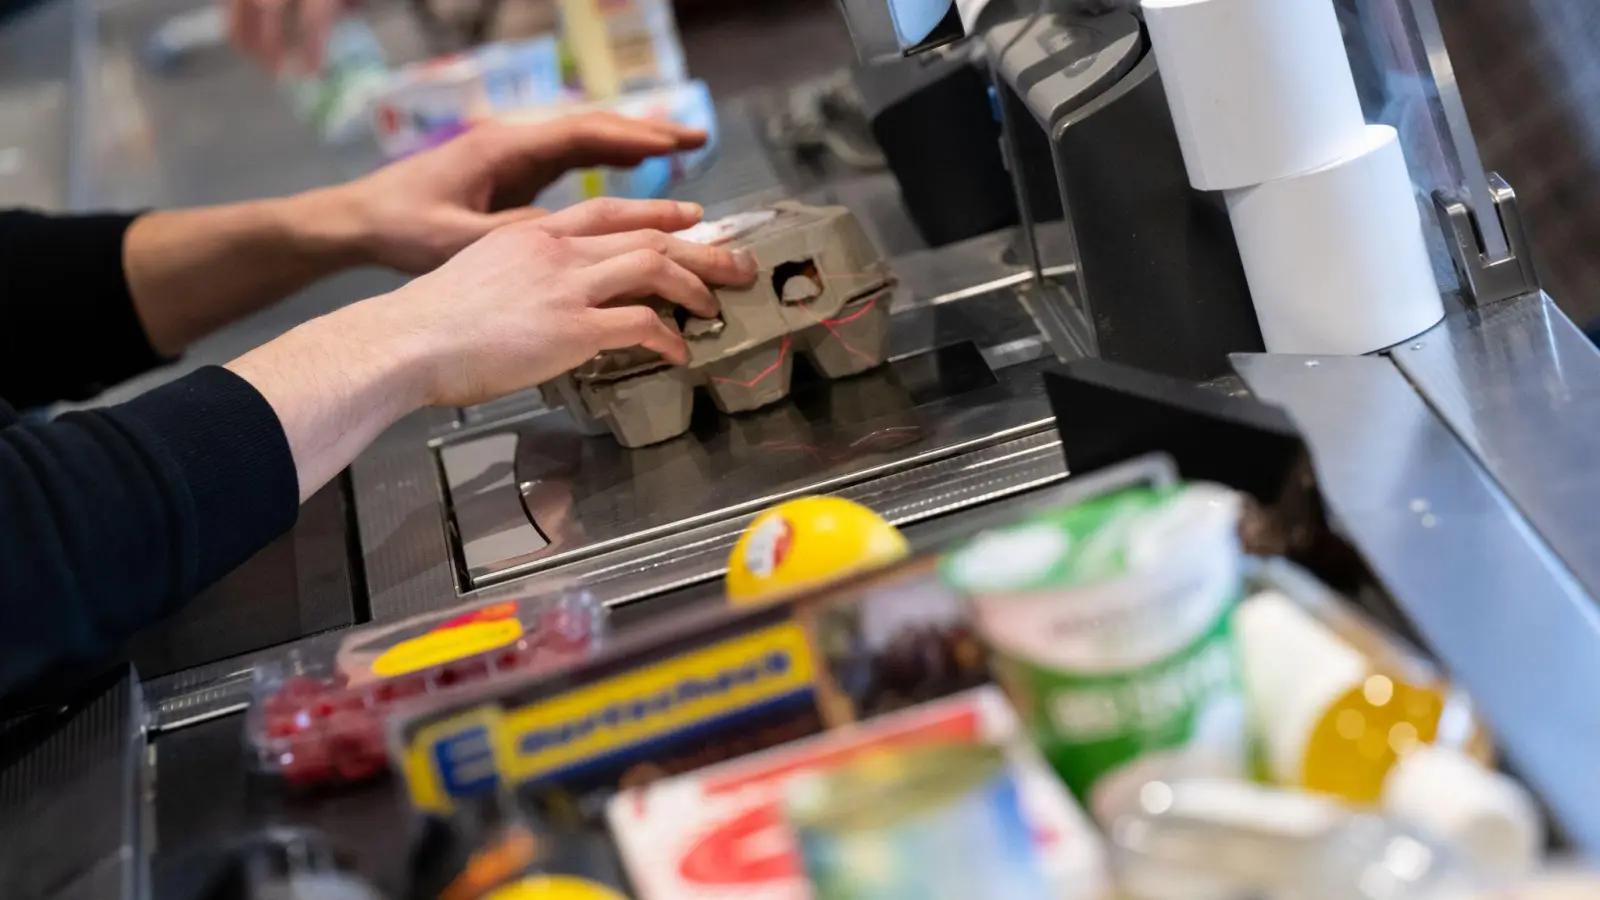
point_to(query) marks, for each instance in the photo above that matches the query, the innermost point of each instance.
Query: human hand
(264, 30)
(415, 214)
(535, 299)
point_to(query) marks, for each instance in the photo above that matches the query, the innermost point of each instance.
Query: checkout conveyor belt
(1462, 466)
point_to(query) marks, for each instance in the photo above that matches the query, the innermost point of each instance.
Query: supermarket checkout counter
(1459, 465)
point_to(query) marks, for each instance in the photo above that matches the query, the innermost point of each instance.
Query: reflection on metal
(1406, 79)
(1486, 279)
(590, 498)
(1430, 40)
(1486, 594)
(1520, 386)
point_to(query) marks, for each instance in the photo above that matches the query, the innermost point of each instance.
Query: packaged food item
(1111, 626)
(1336, 717)
(1347, 710)
(891, 640)
(336, 100)
(623, 45)
(315, 724)
(425, 104)
(694, 693)
(808, 542)
(727, 831)
(941, 822)
(1201, 837)
(495, 847)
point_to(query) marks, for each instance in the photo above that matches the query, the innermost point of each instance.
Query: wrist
(328, 225)
(401, 360)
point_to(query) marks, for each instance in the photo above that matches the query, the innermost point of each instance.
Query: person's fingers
(590, 139)
(713, 264)
(639, 326)
(645, 273)
(317, 18)
(612, 215)
(250, 27)
(523, 159)
(513, 216)
(242, 26)
(270, 15)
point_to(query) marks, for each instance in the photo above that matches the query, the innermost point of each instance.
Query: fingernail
(746, 261)
(691, 209)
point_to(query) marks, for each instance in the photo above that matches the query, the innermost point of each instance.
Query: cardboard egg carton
(823, 292)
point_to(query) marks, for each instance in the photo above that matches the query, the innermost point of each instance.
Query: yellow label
(448, 645)
(463, 753)
(594, 183)
(554, 887)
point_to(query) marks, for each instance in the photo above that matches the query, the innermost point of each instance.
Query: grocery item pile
(1109, 698)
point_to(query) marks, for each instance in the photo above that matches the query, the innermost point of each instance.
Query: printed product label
(480, 632)
(471, 752)
(769, 546)
(554, 887)
(1089, 725)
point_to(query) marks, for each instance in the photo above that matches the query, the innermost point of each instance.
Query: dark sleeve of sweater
(68, 328)
(113, 518)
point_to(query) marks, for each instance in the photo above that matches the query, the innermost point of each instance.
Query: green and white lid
(1129, 533)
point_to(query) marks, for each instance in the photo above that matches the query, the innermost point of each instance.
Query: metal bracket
(1484, 280)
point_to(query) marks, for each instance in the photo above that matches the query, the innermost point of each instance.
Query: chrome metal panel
(1520, 385)
(588, 496)
(1486, 594)
(397, 487)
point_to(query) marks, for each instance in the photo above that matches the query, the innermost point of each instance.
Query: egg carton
(823, 293)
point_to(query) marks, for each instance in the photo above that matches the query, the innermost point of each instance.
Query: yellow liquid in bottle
(1363, 734)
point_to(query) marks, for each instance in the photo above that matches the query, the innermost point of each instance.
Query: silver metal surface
(1520, 386)
(397, 486)
(1457, 129)
(1502, 614)
(590, 496)
(73, 815)
(1486, 280)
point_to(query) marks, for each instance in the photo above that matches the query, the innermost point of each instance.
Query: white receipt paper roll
(1336, 259)
(1259, 89)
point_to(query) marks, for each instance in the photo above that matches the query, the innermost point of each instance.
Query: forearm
(193, 271)
(336, 383)
(112, 518)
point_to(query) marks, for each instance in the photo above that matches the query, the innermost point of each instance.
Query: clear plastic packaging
(323, 722)
(1192, 838)
(428, 103)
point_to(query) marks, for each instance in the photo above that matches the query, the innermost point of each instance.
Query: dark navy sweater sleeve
(113, 518)
(68, 327)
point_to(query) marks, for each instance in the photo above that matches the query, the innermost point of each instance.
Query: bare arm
(521, 306)
(193, 271)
